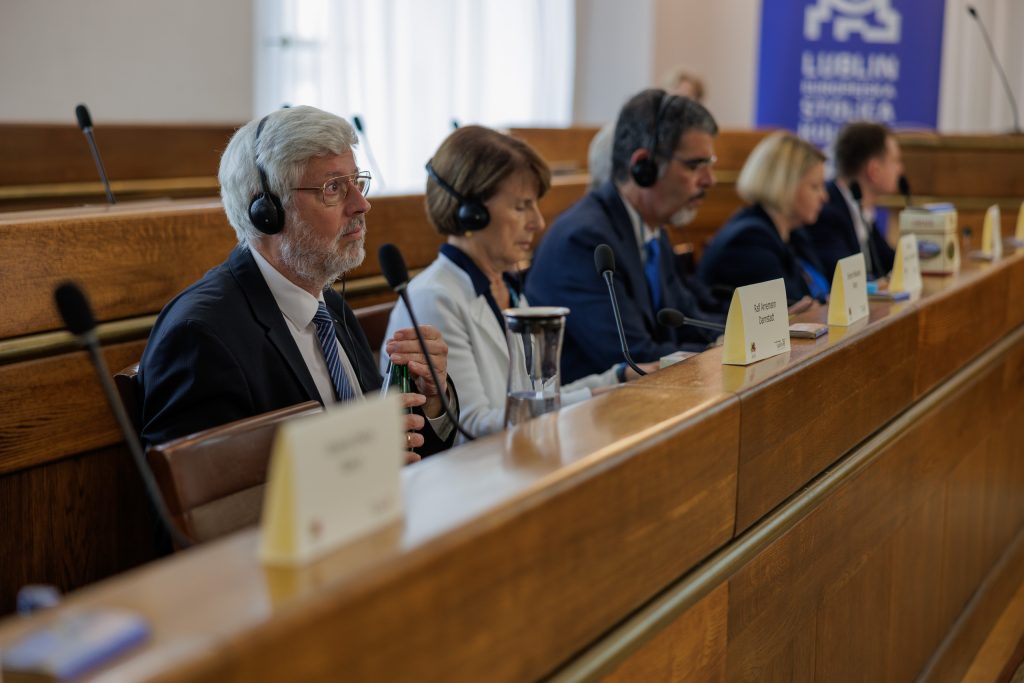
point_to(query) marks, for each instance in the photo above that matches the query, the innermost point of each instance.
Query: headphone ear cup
(644, 172)
(266, 213)
(472, 215)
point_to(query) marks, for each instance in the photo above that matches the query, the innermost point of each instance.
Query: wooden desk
(618, 538)
(70, 506)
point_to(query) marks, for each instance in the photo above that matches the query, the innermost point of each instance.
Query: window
(410, 68)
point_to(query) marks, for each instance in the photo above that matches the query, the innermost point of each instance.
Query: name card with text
(906, 269)
(333, 477)
(758, 323)
(848, 301)
(991, 236)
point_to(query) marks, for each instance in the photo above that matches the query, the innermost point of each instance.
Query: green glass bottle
(397, 379)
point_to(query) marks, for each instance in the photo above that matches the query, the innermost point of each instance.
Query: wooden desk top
(519, 549)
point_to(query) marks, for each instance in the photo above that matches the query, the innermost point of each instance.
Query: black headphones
(645, 170)
(471, 214)
(265, 211)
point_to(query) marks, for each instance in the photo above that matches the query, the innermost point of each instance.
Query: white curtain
(972, 98)
(409, 68)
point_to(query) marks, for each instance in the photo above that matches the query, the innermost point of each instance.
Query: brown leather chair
(128, 390)
(213, 481)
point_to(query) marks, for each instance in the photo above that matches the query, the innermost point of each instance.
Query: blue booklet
(78, 642)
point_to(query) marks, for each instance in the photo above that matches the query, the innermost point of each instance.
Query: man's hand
(404, 349)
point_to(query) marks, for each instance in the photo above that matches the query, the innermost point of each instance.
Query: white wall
(128, 60)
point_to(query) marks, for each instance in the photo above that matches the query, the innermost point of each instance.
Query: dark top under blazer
(222, 351)
(833, 237)
(563, 274)
(748, 249)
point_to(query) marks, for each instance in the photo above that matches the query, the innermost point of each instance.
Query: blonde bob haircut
(774, 169)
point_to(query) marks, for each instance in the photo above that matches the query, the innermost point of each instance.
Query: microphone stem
(618, 324)
(693, 322)
(134, 447)
(430, 366)
(99, 166)
(1002, 74)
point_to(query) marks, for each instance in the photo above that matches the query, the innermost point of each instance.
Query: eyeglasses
(696, 164)
(335, 190)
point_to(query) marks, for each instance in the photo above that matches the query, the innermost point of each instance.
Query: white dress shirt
(298, 307)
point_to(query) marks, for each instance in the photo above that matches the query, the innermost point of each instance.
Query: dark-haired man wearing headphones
(265, 329)
(661, 168)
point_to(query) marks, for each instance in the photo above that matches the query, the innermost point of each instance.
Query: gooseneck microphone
(872, 261)
(357, 121)
(670, 317)
(85, 123)
(392, 265)
(77, 314)
(604, 262)
(999, 68)
(905, 190)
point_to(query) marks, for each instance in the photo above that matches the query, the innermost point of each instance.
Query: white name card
(848, 301)
(992, 234)
(906, 270)
(758, 323)
(333, 477)
(1018, 235)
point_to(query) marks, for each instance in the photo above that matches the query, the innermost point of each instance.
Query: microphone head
(357, 122)
(392, 265)
(855, 190)
(670, 317)
(604, 259)
(84, 119)
(973, 12)
(904, 186)
(74, 308)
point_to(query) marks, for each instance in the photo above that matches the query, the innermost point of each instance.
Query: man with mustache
(265, 329)
(662, 158)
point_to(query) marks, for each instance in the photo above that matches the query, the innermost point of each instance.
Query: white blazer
(443, 296)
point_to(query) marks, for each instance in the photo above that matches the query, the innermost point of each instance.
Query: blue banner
(826, 62)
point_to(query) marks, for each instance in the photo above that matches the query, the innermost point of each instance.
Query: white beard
(304, 253)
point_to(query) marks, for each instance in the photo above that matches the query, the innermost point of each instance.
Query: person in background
(482, 196)
(867, 155)
(783, 180)
(265, 329)
(662, 161)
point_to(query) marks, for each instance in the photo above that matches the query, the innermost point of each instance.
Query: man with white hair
(265, 329)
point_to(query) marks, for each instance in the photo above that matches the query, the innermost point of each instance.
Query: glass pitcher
(534, 337)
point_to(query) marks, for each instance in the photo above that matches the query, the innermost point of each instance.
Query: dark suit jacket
(221, 351)
(748, 249)
(562, 274)
(834, 237)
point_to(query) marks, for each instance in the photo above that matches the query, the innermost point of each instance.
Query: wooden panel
(692, 648)
(969, 319)
(562, 148)
(963, 166)
(874, 576)
(72, 523)
(54, 407)
(55, 153)
(803, 420)
(129, 263)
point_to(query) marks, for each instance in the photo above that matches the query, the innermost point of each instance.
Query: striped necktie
(329, 347)
(652, 252)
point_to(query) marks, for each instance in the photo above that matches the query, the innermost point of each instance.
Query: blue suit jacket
(562, 274)
(833, 237)
(748, 249)
(221, 351)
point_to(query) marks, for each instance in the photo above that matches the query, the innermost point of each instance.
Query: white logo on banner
(853, 16)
